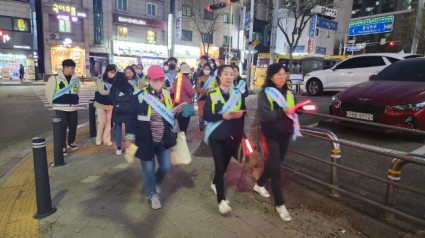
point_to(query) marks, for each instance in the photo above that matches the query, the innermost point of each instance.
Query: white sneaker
(155, 202)
(64, 152)
(283, 213)
(108, 143)
(98, 143)
(261, 190)
(118, 152)
(224, 207)
(213, 188)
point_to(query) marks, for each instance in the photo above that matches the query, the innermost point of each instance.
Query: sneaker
(213, 188)
(261, 190)
(98, 143)
(118, 152)
(64, 152)
(73, 146)
(108, 143)
(283, 213)
(155, 202)
(224, 207)
(158, 188)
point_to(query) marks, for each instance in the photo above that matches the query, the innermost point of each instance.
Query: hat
(155, 72)
(185, 68)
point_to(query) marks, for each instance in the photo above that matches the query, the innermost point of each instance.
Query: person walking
(132, 77)
(120, 96)
(104, 106)
(206, 82)
(141, 75)
(187, 92)
(277, 114)
(238, 79)
(224, 108)
(150, 129)
(171, 74)
(62, 92)
(21, 73)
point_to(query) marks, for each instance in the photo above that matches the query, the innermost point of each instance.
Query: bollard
(57, 142)
(335, 158)
(92, 119)
(41, 174)
(394, 174)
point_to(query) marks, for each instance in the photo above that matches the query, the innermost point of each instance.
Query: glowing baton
(178, 88)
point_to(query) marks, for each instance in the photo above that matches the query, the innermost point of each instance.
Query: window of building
(227, 40)
(122, 5)
(208, 15)
(150, 9)
(151, 36)
(122, 32)
(207, 38)
(186, 35)
(227, 19)
(65, 26)
(187, 11)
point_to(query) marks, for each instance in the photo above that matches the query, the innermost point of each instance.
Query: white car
(349, 72)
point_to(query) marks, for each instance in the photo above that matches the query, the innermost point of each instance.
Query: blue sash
(208, 83)
(170, 78)
(228, 107)
(135, 83)
(281, 101)
(107, 85)
(157, 106)
(65, 90)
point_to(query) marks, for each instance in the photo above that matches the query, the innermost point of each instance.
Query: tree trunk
(291, 51)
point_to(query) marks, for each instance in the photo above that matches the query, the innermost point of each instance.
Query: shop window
(186, 35)
(151, 36)
(65, 26)
(6, 23)
(122, 5)
(151, 9)
(207, 38)
(21, 24)
(187, 11)
(227, 19)
(208, 15)
(227, 40)
(122, 32)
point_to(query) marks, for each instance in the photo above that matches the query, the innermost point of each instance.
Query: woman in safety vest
(278, 127)
(223, 110)
(149, 128)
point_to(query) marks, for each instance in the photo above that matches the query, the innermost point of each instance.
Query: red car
(395, 96)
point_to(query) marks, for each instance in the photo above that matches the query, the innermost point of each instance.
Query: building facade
(16, 40)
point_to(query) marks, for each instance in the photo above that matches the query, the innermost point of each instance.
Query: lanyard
(157, 106)
(64, 90)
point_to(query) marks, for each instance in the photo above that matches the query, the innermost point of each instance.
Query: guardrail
(394, 174)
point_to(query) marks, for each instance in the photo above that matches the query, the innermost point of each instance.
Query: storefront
(60, 53)
(213, 51)
(98, 60)
(188, 54)
(128, 53)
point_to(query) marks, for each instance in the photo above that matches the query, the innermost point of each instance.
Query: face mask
(166, 68)
(156, 85)
(172, 66)
(207, 72)
(139, 71)
(212, 65)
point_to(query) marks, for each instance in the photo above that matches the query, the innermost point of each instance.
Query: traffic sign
(327, 24)
(371, 26)
(350, 49)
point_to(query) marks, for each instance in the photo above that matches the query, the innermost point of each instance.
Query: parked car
(395, 96)
(349, 72)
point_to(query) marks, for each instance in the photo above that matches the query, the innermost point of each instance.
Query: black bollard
(92, 119)
(57, 142)
(41, 174)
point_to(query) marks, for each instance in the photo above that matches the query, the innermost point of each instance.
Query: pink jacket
(187, 90)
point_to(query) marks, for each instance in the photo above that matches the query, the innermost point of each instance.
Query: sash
(281, 101)
(208, 82)
(157, 106)
(228, 106)
(241, 86)
(134, 82)
(107, 85)
(64, 90)
(170, 78)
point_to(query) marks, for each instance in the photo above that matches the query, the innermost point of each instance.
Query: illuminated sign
(151, 37)
(67, 42)
(64, 9)
(139, 49)
(25, 47)
(132, 21)
(137, 21)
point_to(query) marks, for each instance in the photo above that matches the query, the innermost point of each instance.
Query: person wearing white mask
(206, 76)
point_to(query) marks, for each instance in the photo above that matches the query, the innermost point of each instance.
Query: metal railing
(394, 172)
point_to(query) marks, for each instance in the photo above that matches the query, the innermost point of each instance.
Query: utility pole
(171, 28)
(250, 48)
(418, 27)
(274, 31)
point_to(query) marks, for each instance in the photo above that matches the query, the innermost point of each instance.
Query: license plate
(358, 115)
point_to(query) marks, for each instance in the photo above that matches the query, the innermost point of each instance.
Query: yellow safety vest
(216, 97)
(289, 99)
(167, 100)
(74, 89)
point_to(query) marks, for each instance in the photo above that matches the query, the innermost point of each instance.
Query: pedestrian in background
(187, 92)
(278, 128)
(150, 129)
(224, 108)
(21, 72)
(132, 77)
(238, 79)
(104, 106)
(120, 96)
(171, 74)
(141, 75)
(62, 92)
(206, 82)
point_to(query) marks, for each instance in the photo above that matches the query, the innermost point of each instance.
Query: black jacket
(119, 117)
(229, 128)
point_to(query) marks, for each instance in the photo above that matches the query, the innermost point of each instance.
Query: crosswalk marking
(86, 94)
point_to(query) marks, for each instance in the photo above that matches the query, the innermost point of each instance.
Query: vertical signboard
(312, 34)
(179, 25)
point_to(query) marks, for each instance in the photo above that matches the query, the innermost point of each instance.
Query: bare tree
(205, 25)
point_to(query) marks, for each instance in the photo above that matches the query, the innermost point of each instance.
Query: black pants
(222, 151)
(69, 120)
(272, 168)
(183, 122)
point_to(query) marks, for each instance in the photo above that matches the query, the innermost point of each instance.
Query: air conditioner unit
(54, 36)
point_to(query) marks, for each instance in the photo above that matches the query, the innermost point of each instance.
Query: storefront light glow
(74, 19)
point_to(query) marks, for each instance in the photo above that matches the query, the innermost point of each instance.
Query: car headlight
(336, 102)
(409, 107)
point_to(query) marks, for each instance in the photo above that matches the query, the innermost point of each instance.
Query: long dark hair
(220, 71)
(208, 66)
(132, 70)
(272, 70)
(109, 68)
(121, 82)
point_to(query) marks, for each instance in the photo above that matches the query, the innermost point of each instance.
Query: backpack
(122, 101)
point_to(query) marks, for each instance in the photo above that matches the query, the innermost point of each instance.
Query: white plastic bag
(180, 153)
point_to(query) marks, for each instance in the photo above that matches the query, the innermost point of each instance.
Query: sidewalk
(98, 194)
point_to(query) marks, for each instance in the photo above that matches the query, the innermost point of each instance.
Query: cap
(185, 69)
(155, 72)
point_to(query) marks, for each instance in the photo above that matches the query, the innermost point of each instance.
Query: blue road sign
(321, 50)
(371, 26)
(353, 49)
(327, 24)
